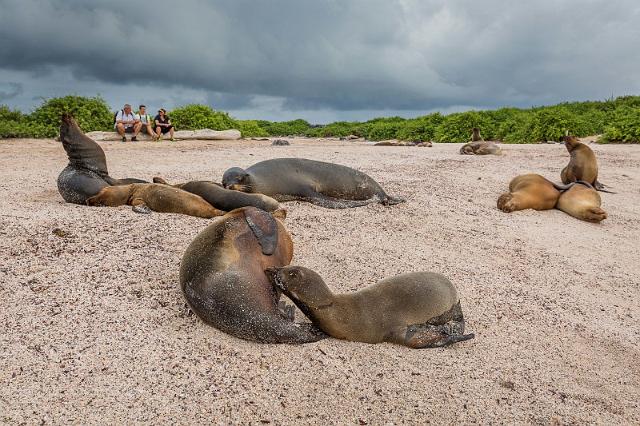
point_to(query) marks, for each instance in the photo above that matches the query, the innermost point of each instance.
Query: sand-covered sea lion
(530, 191)
(147, 197)
(222, 277)
(419, 309)
(582, 166)
(583, 202)
(325, 184)
(86, 174)
(480, 148)
(222, 198)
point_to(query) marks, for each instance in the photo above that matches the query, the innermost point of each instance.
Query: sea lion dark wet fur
(86, 174)
(225, 199)
(325, 184)
(222, 277)
(147, 197)
(583, 165)
(418, 310)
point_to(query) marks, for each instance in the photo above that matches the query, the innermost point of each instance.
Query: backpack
(115, 115)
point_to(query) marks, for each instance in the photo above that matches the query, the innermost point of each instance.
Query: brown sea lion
(480, 148)
(583, 202)
(224, 199)
(530, 191)
(419, 309)
(582, 166)
(86, 174)
(475, 135)
(325, 184)
(145, 197)
(222, 277)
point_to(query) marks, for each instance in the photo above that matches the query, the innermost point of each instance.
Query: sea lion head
(237, 179)
(302, 285)
(570, 142)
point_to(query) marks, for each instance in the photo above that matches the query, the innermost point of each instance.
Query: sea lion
(418, 310)
(145, 197)
(583, 202)
(582, 166)
(222, 198)
(222, 277)
(475, 135)
(530, 191)
(325, 184)
(480, 148)
(86, 174)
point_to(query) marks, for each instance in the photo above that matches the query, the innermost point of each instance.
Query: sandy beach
(94, 328)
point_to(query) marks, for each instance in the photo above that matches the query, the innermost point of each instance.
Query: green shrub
(420, 129)
(90, 113)
(285, 128)
(250, 128)
(196, 117)
(624, 126)
(457, 127)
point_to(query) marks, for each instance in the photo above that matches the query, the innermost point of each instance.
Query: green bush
(420, 129)
(457, 127)
(250, 128)
(90, 113)
(624, 126)
(196, 117)
(285, 128)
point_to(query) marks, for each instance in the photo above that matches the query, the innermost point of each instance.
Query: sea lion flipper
(264, 227)
(161, 180)
(139, 206)
(336, 203)
(434, 336)
(600, 187)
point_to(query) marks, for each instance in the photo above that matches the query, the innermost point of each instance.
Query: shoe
(134, 139)
(172, 140)
(124, 139)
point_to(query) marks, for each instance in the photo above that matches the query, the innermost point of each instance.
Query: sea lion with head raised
(86, 174)
(418, 310)
(325, 184)
(222, 277)
(583, 202)
(530, 191)
(147, 197)
(582, 166)
(224, 199)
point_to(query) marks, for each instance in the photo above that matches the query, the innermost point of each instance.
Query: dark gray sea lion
(86, 174)
(147, 197)
(222, 277)
(325, 184)
(419, 309)
(582, 166)
(225, 199)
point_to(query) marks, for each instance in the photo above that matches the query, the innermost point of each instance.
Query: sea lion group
(234, 272)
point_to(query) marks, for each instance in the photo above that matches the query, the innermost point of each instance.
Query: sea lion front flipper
(433, 336)
(126, 181)
(335, 203)
(161, 180)
(139, 206)
(264, 227)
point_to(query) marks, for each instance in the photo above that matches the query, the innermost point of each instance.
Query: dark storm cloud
(335, 55)
(10, 91)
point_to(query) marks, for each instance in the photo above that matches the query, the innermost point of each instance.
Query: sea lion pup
(583, 202)
(224, 199)
(325, 184)
(530, 191)
(418, 309)
(582, 166)
(222, 277)
(145, 197)
(86, 174)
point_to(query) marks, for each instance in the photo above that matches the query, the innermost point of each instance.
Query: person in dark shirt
(163, 124)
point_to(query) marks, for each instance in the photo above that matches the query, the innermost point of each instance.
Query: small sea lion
(280, 142)
(222, 277)
(530, 191)
(583, 202)
(582, 166)
(86, 174)
(224, 199)
(325, 184)
(480, 148)
(418, 310)
(147, 197)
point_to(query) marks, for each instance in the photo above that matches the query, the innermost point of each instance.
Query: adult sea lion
(419, 309)
(475, 135)
(582, 166)
(86, 174)
(325, 184)
(222, 277)
(480, 148)
(224, 199)
(583, 202)
(530, 191)
(145, 197)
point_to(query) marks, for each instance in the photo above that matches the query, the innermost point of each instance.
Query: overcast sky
(322, 60)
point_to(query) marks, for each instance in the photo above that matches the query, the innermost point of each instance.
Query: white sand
(94, 328)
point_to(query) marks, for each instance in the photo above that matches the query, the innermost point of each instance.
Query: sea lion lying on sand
(224, 199)
(582, 166)
(86, 174)
(325, 184)
(145, 197)
(418, 310)
(530, 191)
(583, 202)
(222, 277)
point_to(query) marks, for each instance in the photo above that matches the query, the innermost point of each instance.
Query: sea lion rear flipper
(600, 187)
(264, 227)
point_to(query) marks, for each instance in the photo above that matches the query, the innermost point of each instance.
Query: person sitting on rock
(163, 124)
(145, 121)
(126, 122)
